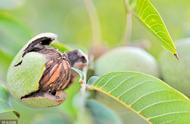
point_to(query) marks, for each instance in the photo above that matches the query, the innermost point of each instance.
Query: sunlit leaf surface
(149, 16)
(149, 97)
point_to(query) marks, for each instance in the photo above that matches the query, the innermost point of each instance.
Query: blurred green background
(22, 19)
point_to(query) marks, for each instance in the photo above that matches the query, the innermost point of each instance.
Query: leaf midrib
(120, 101)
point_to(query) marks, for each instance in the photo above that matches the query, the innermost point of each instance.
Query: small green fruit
(127, 59)
(177, 72)
(39, 74)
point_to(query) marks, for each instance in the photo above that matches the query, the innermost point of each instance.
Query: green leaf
(4, 103)
(145, 11)
(14, 34)
(92, 79)
(101, 114)
(60, 46)
(149, 97)
(124, 113)
(5, 60)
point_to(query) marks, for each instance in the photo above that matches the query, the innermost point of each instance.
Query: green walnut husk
(127, 59)
(176, 72)
(27, 70)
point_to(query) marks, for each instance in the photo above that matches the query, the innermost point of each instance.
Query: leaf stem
(94, 20)
(128, 24)
(83, 93)
(83, 83)
(83, 97)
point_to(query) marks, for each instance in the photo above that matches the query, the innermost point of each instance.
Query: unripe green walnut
(127, 59)
(177, 72)
(39, 74)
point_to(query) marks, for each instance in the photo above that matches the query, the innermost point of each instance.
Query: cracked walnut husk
(39, 74)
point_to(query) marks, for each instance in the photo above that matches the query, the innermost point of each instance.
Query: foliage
(147, 13)
(148, 97)
(5, 108)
